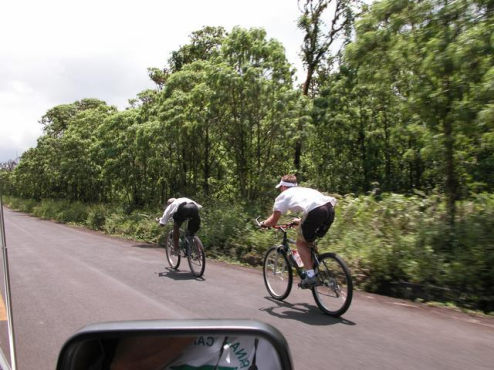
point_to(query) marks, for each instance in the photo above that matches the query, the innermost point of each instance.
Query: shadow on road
(303, 312)
(179, 275)
(147, 246)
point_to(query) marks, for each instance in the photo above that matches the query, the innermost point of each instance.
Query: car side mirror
(176, 344)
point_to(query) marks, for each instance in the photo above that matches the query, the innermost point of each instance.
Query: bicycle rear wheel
(334, 292)
(278, 274)
(172, 255)
(196, 257)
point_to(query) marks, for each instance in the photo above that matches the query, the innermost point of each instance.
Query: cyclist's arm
(167, 214)
(272, 220)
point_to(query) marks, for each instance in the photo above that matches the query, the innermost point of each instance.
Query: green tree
(254, 98)
(204, 45)
(319, 38)
(225, 115)
(57, 119)
(6, 172)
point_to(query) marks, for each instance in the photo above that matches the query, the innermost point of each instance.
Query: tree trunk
(207, 168)
(298, 143)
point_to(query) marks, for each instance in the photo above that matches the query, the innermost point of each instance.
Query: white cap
(287, 184)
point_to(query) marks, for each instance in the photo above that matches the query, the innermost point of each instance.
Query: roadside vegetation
(394, 244)
(398, 125)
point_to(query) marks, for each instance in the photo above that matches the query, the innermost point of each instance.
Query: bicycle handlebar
(278, 227)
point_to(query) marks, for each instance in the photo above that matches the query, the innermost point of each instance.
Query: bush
(62, 211)
(136, 226)
(221, 224)
(96, 217)
(18, 204)
(470, 269)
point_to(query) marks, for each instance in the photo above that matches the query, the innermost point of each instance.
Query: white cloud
(59, 51)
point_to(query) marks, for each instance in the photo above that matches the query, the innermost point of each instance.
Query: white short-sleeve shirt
(300, 199)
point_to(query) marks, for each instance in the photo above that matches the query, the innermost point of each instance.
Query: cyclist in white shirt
(181, 209)
(317, 216)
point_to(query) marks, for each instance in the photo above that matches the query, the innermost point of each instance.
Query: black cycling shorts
(317, 222)
(188, 211)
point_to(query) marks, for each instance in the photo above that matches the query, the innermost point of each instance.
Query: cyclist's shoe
(309, 282)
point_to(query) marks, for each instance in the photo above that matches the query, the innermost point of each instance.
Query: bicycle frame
(285, 249)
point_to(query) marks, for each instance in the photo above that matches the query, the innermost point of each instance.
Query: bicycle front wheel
(196, 257)
(172, 255)
(333, 294)
(278, 274)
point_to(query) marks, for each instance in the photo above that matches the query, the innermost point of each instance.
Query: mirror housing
(163, 344)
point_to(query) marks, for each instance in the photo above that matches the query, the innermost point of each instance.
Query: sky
(56, 52)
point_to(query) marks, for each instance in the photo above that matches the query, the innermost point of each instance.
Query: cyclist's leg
(306, 236)
(329, 219)
(176, 234)
(303, 248)
(178, 220)
(315, 224)
(172, 254)
(194, 219)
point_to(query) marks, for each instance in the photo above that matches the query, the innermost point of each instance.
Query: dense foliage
(405, 111)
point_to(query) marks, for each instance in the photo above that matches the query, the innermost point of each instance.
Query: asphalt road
(65, 277)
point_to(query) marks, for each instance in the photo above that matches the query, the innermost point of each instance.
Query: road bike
(190, 247)
(334, 288)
